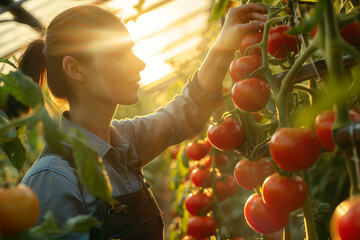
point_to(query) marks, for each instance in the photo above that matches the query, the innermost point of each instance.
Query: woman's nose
(138, 64)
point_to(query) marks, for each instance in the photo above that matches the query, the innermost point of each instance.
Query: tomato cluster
(208, 181)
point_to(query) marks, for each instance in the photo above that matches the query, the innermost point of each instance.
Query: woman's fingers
(248, 12)
(251, 27)
(256, 16)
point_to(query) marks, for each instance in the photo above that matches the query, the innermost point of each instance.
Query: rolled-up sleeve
(183, 117)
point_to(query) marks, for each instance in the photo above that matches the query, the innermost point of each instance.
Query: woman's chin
(131, 100)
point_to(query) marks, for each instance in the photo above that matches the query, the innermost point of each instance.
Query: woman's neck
(93, 118)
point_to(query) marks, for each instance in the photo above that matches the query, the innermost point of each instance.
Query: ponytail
(32, 62)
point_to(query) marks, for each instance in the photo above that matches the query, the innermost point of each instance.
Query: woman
(86, 59)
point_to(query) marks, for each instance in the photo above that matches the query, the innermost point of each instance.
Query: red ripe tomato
(201, 177)
(221, 161)
(351, 33)
(251, 174)
(262, 218)
(295, 149)
(279, 42)
(284, 193)
(242, 67)
(314, 31)
(227, 135)
(249, 40)
(19, 209)
(201, 227)
(323, 127)
(345, 221)
(196, 151)
(225, 187)
(194, 203)
(174, 151)
(251, 94)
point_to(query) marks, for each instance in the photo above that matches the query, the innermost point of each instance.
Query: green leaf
(91, 170)
(218, 10)
(47, 226)
(307, 25)
(52, 132)
(81, 223)
(22, 88)
(15, 152)
(3, 96)
(7, 61)
(8, 134)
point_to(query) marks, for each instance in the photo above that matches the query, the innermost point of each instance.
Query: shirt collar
(99, 145)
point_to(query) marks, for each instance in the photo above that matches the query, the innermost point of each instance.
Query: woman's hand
(239, 21)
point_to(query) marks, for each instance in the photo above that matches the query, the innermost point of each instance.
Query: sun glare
(161, 33)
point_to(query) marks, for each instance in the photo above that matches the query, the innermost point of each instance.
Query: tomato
(251, 174)
(345, 221)
(242, 67)
(19, 209)
(251, 94)
(314, 31)
(295, 149)
(201, 177)
(323, 127)
(279, 42)
(249, 40)
(351, 33)
(284, 193)
(262, 218)
(196, 151)
(225, 187)
(221, 160)
(201, 227)
(194, 203)
(227, 135)
(174, 151)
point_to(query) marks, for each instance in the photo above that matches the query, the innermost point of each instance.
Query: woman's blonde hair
(78, 32)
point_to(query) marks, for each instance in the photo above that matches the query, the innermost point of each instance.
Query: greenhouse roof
(161, 29)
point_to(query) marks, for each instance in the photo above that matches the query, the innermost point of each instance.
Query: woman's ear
(72, 68)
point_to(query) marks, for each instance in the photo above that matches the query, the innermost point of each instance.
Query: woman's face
(113, 74)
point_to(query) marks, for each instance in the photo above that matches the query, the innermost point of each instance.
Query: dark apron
(137, 215)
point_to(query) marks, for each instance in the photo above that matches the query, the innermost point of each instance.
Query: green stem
(351, 168)
(287, 231)
(250, 127)
(309, 91)
(265, 237)
(288, 82)
(308, 212)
